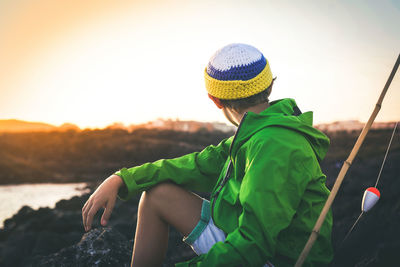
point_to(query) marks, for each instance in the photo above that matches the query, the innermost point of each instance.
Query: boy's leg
(163, 205)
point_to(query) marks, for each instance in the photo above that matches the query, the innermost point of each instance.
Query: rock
(99, 247)
(55, 237)
(73, 204)
(31, 233)
(25, 213)
(17, 250)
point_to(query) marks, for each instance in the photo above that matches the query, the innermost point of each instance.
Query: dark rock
(18, 249)
(25, 213)
(73, 204)
(99, 247)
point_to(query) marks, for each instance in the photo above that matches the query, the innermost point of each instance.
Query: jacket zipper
(228, 170)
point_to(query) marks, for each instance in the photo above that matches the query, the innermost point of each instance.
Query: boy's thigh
(176, 206)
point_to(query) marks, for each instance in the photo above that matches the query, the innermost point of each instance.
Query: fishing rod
(346, 165)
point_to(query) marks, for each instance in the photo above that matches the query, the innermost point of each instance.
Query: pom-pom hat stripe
(239, 89)
(245, 72)
(237, 71)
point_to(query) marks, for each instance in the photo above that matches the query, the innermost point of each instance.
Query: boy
(266, 185)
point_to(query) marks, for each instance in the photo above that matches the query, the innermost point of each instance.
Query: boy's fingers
(107, 212)
(85, 211)
(86, 203)
(89, 217)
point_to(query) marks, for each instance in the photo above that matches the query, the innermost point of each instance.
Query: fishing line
(376, 184)
(351, 229)
(384, 159)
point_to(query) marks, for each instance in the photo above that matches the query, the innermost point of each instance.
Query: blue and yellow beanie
(237, 71)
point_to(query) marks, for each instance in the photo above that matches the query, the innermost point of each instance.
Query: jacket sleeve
(195, 171)
(274, 182)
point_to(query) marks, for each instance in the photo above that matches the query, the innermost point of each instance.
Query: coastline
(39, 195)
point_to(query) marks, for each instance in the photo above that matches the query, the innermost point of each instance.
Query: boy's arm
(271, 190)
(195, 171)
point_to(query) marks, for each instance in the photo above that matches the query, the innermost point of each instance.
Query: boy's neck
(257, 108)
(235, 117)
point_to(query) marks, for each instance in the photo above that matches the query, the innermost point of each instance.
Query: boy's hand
(104, 197)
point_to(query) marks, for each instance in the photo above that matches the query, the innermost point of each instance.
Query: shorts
(206, 234)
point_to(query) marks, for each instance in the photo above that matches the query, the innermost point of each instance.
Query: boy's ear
(217, 101)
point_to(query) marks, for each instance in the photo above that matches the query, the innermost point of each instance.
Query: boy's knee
(160, 192)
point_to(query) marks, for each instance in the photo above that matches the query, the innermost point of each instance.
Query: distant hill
(68, 126)
(352, 125)
(13, 125)
(24, 126)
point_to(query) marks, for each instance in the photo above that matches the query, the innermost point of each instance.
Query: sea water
(14, 197)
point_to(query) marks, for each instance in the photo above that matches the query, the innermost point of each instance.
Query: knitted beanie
(237, 71)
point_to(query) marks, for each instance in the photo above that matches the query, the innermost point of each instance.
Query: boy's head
(238, 77)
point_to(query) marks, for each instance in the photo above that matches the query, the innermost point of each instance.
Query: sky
(93, 63)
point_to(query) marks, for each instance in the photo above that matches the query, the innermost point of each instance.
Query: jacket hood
(281, 113)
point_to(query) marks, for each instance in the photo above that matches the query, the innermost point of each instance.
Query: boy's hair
(244, 103)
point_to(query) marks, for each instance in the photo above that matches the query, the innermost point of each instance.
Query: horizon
(96, 63)
(124, 125)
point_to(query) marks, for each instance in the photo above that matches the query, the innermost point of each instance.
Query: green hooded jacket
(267, 188)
